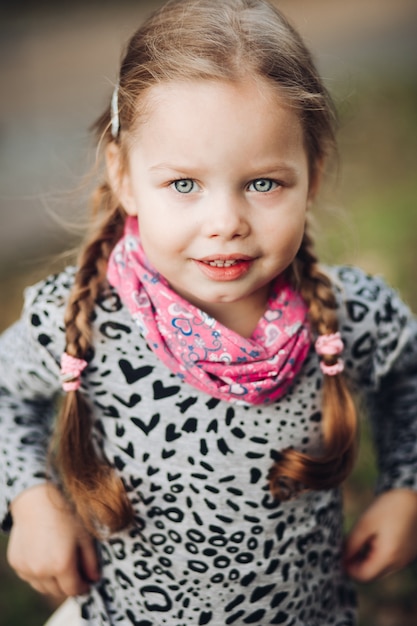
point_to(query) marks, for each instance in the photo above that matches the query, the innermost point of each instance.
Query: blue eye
(262, 185)
(184, 185)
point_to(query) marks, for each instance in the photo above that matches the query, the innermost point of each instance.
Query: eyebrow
(262, 171)
(271, 169)
(170, 166)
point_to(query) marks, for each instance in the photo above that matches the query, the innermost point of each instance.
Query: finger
(71, 583)
(370, 563)
(66, 583)
(88, 560)
(47, 587)
(366, 572)
(37, 587)
(358, 553)
(358, 540)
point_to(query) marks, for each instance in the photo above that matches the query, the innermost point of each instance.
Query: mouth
(225, 260)
(220, 263)
(225, 267)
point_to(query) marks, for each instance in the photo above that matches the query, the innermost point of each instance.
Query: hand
(384, 540)
(48, 546)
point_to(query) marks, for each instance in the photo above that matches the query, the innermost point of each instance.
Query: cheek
(286, 234)
(160, 239)
(297, 237)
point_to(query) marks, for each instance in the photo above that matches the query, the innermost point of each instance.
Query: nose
(227, 217)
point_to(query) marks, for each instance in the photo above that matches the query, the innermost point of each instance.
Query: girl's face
(218, 177)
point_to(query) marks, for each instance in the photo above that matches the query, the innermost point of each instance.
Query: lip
(225, 257)
(240, 265)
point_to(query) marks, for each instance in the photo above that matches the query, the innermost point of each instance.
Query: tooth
(219, 263)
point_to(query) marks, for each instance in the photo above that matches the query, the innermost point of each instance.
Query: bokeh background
(58, 62)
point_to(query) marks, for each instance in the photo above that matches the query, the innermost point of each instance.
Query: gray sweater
(209, 544)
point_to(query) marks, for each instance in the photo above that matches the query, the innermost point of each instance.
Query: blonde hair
(208, 40)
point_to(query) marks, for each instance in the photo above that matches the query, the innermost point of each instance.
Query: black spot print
(161, 392)
(209, 543)
(186, 404)
(44, 339)
(35, 320)
(131, 403)
(147, 428)
(171, 434)
(108, 330)
(357, 310)
(131, 374)
(363, 346)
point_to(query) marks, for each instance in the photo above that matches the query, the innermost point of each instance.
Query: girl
(208, 362)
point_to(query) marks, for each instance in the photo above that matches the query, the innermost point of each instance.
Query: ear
(119, 178)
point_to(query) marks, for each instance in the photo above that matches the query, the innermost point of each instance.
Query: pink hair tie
(71, 369)
(332, 370)
(330, 346)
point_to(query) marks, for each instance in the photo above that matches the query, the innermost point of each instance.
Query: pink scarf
(199, 349)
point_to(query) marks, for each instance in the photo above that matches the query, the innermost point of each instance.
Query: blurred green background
(59, 62)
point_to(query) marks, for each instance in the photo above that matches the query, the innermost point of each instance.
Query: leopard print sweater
(209, 545)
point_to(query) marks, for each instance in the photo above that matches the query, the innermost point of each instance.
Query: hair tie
(114, 109)
(71, 369)
(329, 347)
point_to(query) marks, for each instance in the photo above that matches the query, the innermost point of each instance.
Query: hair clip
(71, 369)
(329, 347)
(114, 109)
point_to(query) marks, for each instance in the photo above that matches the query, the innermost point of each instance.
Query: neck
(241, 316)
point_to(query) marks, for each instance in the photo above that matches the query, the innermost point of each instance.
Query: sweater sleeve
(380, 334)
(29, 391)
(393, 414)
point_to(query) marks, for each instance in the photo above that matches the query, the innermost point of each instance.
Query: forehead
(206, 110)
(183, 94)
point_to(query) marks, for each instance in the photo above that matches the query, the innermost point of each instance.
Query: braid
(316, 289)
(294, 470)
(96, 492)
